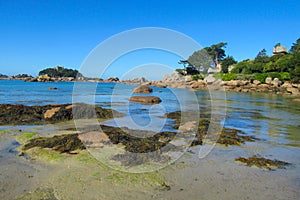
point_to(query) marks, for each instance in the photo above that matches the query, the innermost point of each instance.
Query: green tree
(296, 46)
(200, 60)
(294, 67)
(217, 52)
(262, 54)
(60, 72)
(277, 45)
(226, 62)
(207, 57)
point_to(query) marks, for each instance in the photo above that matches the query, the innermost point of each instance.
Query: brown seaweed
(262, 163)
(61, 143)
(23, 115)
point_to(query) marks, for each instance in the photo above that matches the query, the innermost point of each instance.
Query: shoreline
(271, 87)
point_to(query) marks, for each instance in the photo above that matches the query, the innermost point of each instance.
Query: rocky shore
(176, 80)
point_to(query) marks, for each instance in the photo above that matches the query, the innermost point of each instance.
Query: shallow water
(274, 119)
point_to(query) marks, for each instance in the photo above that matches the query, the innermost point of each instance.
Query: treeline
(284, 65)
(3, 76)
(59, 72)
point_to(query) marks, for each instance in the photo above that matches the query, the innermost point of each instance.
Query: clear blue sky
(45, 33)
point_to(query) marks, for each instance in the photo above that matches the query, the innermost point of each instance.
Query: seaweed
(231, 136)
(262, 163)
(228, 136)
(24, 115)
(61, 143)
(133, 159)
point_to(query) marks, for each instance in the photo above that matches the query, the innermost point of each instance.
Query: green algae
(152, 178)
(25, 137)
(38, 194)
(85, 157)
(45, 155)
(4, 131)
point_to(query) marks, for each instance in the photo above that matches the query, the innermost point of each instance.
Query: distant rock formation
(280, 50)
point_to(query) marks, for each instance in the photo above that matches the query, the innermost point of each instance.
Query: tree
(226, 62)
(217, 52)
(262, 57)
(207, 57)
(277, 45)
(200, 60)
(60, 72)
(261, 54)
(296, 46)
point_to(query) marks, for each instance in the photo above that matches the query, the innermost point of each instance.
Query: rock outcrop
(145, 99)
(143, 89)
(22, 115)
(272, 86)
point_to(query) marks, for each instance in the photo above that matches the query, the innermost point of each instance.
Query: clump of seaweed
(228, 136)
(133, 159)
(62, 143)
(262, 163)
(134, 144)
(231, 136)
(70, 142)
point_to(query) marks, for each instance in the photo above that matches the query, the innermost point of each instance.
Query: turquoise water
(273, 118)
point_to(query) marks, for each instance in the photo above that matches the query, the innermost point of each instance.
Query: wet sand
(217, 176)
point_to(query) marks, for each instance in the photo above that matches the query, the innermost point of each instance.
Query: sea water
(272, 118)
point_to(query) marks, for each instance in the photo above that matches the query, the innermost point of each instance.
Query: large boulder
(188, 78)
(256, 82)
(276, 82)
(210, 79)
(294, 91)
(142, 89)
(268, 80)
(112, 79)
(174, 76)
(287, 84)
(145, 99)
(280, 50)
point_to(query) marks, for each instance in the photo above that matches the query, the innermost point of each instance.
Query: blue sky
(39, 34)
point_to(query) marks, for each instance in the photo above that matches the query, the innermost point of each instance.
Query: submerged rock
(263, 163)
(145, 99)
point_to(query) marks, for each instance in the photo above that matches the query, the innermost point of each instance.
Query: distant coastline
(175, 80)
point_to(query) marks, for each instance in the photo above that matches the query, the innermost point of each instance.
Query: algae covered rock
(227, 136)
(22, 115)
